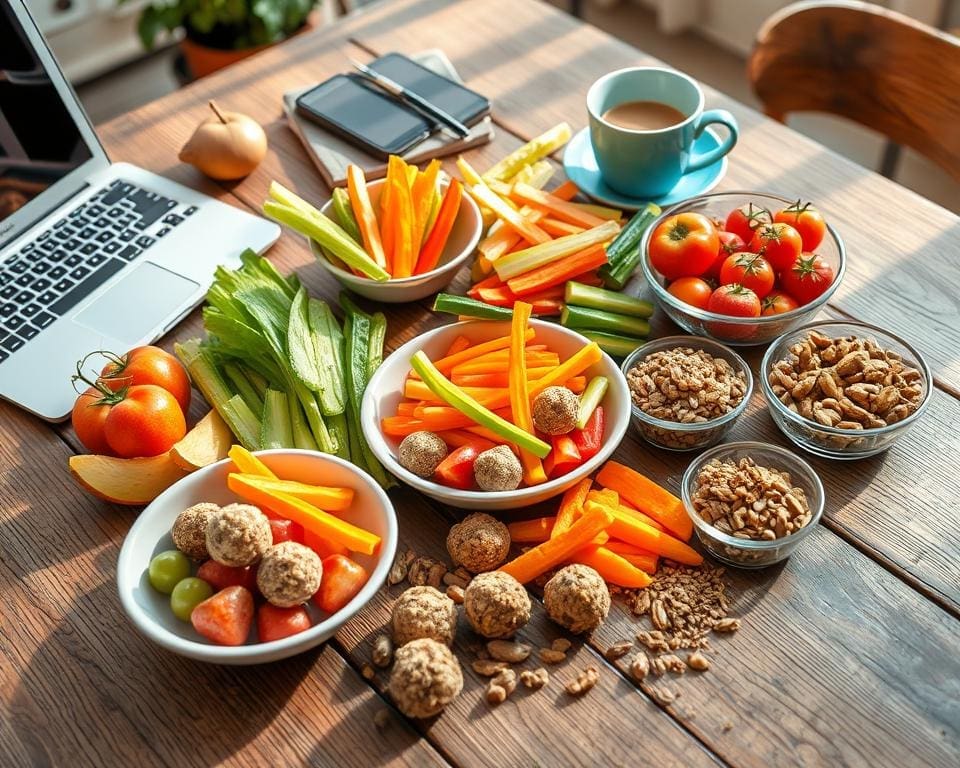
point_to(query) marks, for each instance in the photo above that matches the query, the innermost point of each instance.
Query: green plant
(224, 24)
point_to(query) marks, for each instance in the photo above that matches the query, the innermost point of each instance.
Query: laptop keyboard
(64, 264)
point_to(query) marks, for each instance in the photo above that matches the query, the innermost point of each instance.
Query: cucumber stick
(614, 344)
(585, 319)
(629, 237)
(611, 301)
(464, 306)
(344, 214)
(523, 261)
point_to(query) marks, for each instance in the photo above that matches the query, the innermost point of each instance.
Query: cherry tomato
(734, 300)
(684, 245)
(691, 290)
(277, 623)
(807, 220)
(807, 278)
(148, 365)
(750, 270)
(777, 303)
(729, 245)
(779, 243)
(146, 422)
(89, 414)
(744, 220)
(342, 579)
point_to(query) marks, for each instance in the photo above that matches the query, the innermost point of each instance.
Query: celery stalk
(328, 343)
(590, 296)
(534, 150)
(258, 382)
(520, 262)
(302, 437)
(240, 382)
(590, 398)
(338, 427)
(242, 421)
(300, 346)
(451, 394)
(329, 236)
(344, 214)
(315, 419)
(276, 430)
(582, 318)
(536, 175)
(613, 344)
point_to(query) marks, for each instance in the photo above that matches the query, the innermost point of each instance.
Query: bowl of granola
(844, 390)
(751, 504)
(686, 391)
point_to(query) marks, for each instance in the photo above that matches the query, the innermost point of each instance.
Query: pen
(417, 102)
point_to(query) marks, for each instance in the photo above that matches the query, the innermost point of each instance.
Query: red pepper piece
(589, 439)
(456, 470)
(564, 457)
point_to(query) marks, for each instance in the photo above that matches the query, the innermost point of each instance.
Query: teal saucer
(580, 165)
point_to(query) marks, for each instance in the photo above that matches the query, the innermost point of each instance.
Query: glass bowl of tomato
(742, 267)
(849, 439)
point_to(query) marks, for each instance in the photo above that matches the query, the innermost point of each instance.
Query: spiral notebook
(332, 154)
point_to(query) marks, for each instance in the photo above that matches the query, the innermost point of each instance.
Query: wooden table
(849, 651)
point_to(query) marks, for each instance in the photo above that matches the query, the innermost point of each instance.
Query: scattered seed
(662, 696)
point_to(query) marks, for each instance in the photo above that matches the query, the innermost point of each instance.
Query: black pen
(417, 102)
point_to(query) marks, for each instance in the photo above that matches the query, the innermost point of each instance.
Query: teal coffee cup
(649, 163)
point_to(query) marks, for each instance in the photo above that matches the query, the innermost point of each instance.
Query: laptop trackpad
(138, 303)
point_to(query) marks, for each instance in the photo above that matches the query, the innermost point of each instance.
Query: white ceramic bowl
(385, 390)
(467, 228)
(150, 611)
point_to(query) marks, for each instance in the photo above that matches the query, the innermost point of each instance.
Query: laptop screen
(40, 142)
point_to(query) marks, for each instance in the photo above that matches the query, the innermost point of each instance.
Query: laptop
(94, 255)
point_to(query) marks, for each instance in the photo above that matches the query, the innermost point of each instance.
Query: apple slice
(125, 481)
(208, 442)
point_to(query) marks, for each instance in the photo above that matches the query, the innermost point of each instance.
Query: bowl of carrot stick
(417, 228)
(474, 386)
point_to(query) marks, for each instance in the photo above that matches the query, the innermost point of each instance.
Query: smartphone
(360, 112)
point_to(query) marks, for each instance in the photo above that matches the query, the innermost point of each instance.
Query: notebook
(332, 154)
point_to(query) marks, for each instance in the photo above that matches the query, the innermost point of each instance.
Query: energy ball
(497, 469)
(496, 604)
(555, 411)
(421, 452)
(478, 542)
(289, 574)
(423, 612)
(190, 530)
(238, 535)
(577, 598)
(426, 677)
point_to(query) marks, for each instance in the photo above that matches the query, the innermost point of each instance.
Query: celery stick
(242, 421)
(338, 426)
(243, 386)
(614, 344)
(582, 295)
(590, 398)
(378, 334)
(537, 149)
(258, 382)
(581, 318)
(317, 426)
(302, 437)
(344, 213)
(454, 396)
(328, 345)
(464, 306)
(300, 345)
(536, 175)
(276, 430)
(329, 236)
(519, 262)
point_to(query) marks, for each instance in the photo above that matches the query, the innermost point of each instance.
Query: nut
(561, 644)
(382, 653)
(400, 567)
(510, 652)
(550, 656)
(618, 650)
(534, 679)
(640, 666)
(584, 682)
(487, 667)
(368, 672)
(501, 686)
(727, 625)
(425, 571)
(698, 661)
(455, 593)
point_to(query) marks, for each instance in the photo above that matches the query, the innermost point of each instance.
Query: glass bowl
(742, 332)
(752, 553)
(673, 435)
(831, 442)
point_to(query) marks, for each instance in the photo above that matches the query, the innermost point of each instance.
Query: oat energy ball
(289, 574)
(426, 677)
(577, 598)
(423, 612)
(238, 535)
(555, 411)
(421, 452)
(496, 604)
(478, 542)
(497, 469)
(190, 530)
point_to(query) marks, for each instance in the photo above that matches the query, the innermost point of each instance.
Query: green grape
(166, 569)
(188, 593)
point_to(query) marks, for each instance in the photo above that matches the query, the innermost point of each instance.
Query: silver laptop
(93, 254)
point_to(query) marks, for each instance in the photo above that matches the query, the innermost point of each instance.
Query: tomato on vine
(807, 220)
(751, 270)
(730, 244)
(734, 300)
(777, 303)
(746, 219)
(807, 278)
(779, 243)
(148, 365)
(683, 245)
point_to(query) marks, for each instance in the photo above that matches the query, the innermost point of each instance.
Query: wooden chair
(860, 61)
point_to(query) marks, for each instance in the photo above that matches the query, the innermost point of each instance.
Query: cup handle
(709, 158)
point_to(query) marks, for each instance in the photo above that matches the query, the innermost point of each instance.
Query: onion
(227, 146)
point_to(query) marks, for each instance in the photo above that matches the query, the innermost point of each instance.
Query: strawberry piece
(225, 618)
(275, 623)
(220, 576)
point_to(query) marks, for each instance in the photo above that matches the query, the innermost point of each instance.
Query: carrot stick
(437, 239)
(559, 209)
(363, 210)
(404, 249)
(401, 426)
(554, 551)
(558, 272)
(497, 379)
(651, 499)
(642, 517)
(531, 531)
(571, 506)
(612, 568)
(574, 365)
(417, 390)
(387, 218)
(508, 215)
(533, 472)
(503, 239)
(446, 364)
(566, 191)
(558, 228)
(455, 438)
(646, 563)
(489, 434)
(247, 463)
(407, 408)
(459, 344)
(633, 531)
(491, 281)
(422, 190)
(312, 519)
(535, 359)
(323, 547)
(327, 498)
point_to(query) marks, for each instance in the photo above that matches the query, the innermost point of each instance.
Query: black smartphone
(360, 112)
